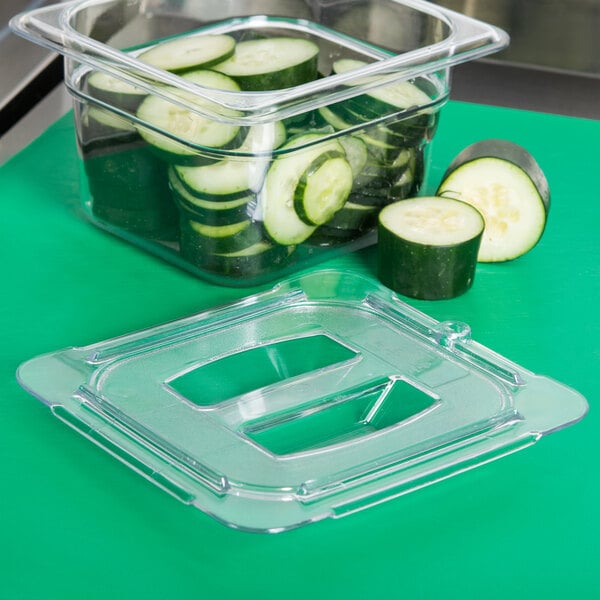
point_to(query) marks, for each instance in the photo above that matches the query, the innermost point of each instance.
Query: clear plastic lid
(318, 398)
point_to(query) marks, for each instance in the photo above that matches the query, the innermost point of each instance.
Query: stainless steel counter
(49, 109)
(28, 72)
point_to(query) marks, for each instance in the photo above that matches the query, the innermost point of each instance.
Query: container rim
(467, 39)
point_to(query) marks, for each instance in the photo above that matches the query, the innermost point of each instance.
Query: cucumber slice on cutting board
(427, 247)
(504, 182)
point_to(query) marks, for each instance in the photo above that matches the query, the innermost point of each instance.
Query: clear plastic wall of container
(297, 123)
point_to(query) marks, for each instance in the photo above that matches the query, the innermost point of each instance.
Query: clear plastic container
(344, 396)
(250, 202)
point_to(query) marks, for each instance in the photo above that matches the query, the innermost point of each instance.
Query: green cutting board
(77, 524)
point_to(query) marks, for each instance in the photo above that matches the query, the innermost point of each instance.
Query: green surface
(77, 524)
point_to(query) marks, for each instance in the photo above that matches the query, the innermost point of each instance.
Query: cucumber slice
(332, 118)
(250, 262)
(356, 152)
(281, 221)
(114, 91)
(108, 121)
(353, 221)
(210, 212)
(187, 125)
(404, 186)
(504, 182)
(354, 217)
(237, 176)
(387, 98)
(191, 52)
(272, 63)
(198, 241)
(263, 138)
(223, 180)
(103, 131)
(427, 247)
(323, 188)
(399, 177)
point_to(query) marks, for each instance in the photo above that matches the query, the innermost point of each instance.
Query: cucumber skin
(207, 216)
(211, 254)
(248, 267)
(197, 248)
(129, 190)
(426, 272)
(187, 158)
(278, 80)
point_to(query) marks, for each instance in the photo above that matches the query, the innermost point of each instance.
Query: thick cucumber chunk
(185, 124)
(192, 52)
(281, 221)
(272, 63)
(427, 247)
(503, 181)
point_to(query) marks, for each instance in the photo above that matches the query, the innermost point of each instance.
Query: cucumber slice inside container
(272, 63)
(504, 182)
(114, 91)
(397, 95)
(235, 176)
(427, 247)
(199, 241)
(261, 257)
(323, 188)
(209, 212)
(187, 125)
(281, 220)
(191, 52)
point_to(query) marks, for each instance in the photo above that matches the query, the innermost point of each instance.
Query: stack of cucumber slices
(249, 197)
(491, 206)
